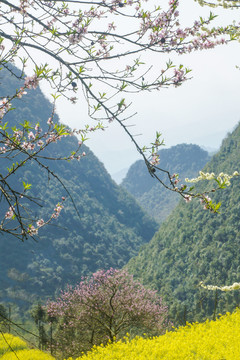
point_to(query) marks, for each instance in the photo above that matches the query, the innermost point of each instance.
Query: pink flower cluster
(49, 24)
(31, 82)
(164, 31)
(23, 6)
(21, 92)
(32, 230)
(155, 159)
(57, 211)
(205, 200)
(9, 214)
(174, 178)
(179, 76)
(187, 198)
(40, 223)
(78, 33)
(5, 106)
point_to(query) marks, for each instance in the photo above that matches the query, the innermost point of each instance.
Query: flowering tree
(100, 49)
(102, 308)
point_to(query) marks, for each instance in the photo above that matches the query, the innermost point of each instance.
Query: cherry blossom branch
(29, 144)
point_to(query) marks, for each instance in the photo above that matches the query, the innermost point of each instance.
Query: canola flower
(12, 348)
(211, 340)
(15, 343)
(27, 355)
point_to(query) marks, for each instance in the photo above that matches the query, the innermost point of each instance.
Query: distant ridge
(184, 159)
(210, 149)
(120, 175)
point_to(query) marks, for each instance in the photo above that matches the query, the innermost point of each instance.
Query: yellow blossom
(12, 348)
(211, 340)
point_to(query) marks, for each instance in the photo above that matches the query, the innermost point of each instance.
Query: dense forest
(183, 159)
(109, 231)
(195, 245)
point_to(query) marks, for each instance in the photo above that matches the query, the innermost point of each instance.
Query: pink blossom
(205, 199)
(57, 211)
(5, 105)
(155, 159)
(3, 150)
(111, 26)
(21, 92)
(31, 82)
(31, 135)
(37, 128)
(25, 145)
(50, 121)
(32, 230)
(9, 214)
(40, 222)
(31, 146)
(187, 198)
(40, 143)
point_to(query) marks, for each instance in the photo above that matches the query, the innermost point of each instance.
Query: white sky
(201, 111)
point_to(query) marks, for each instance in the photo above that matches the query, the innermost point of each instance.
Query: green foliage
(195, 245)
(110, 227)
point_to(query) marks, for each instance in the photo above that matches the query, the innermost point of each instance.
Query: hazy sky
(201, 111)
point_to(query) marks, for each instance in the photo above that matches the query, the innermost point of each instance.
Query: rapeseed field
(13, 348)
(211, 340)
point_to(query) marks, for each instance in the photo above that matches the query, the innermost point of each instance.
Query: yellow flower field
(10, 346)
(212, 340)
(28, 355)
(15, 342)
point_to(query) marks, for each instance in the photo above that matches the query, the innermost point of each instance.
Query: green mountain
(183, 159)
(195, 245)
(110, 230)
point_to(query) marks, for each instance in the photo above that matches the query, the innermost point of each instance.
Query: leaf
(26, 186)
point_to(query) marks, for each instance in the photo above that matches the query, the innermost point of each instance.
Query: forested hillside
(109, 231)
(196, 245)
(183, 159)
